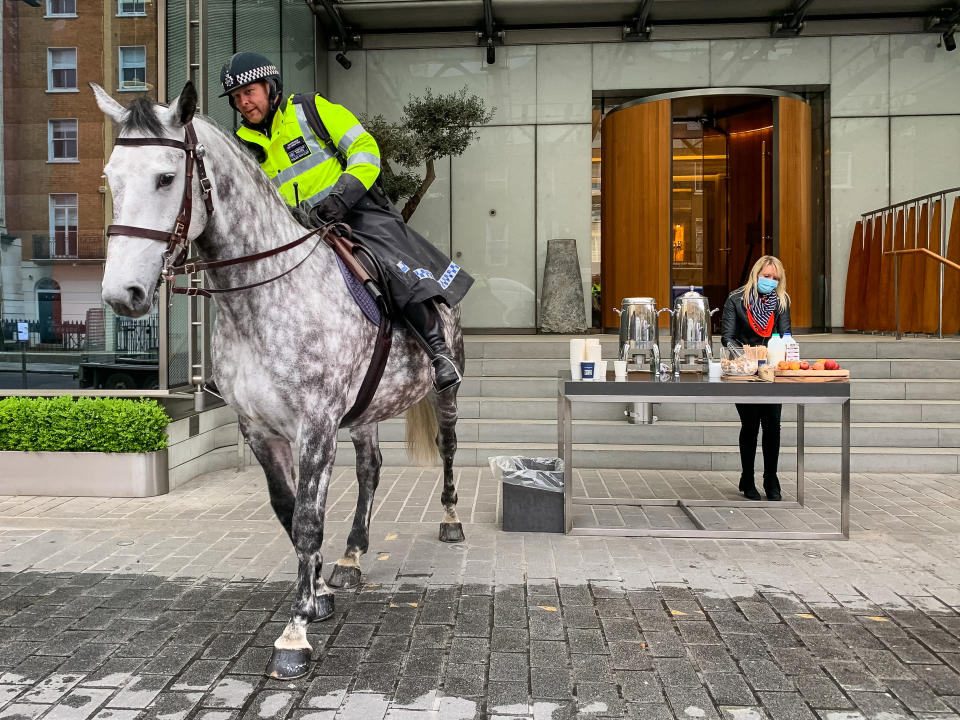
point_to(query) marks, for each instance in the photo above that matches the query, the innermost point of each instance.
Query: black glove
(331, 209)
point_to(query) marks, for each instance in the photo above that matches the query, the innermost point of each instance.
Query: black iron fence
(141, 336)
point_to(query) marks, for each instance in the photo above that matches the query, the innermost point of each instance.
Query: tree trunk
(415, 199)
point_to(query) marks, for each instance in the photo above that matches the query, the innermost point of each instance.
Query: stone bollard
(561, 304)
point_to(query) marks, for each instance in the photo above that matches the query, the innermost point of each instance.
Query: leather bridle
(178, 244)
(177, 241)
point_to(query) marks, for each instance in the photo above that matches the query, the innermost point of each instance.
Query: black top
(736, 326)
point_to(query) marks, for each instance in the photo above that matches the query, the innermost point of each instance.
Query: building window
(61, 8)
(62, 140)
(131, 7)
(133, 67)
(63, 225)
(61, 69)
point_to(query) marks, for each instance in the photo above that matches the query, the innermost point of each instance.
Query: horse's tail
(422, 433)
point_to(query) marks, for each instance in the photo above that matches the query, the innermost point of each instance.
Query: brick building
(56, 142)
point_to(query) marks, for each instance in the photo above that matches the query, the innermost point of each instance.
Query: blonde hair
(783, 300)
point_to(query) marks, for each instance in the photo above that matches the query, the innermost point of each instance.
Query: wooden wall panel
(635, 207)
(886, 276)
(910, 279)
(851, 303)
(872, 297)
(929, 308)
(951, 277)
(795, 206)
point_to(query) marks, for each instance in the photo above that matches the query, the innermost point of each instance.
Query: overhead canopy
(634, 17)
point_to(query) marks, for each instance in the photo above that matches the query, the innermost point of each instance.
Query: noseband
(178, 244)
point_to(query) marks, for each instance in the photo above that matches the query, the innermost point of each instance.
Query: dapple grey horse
(289, 356)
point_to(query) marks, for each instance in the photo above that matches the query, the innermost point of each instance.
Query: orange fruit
(795, 365)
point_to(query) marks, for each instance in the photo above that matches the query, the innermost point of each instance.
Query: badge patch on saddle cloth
(296, 149)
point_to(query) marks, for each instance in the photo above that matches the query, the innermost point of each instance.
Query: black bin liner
(532, 493)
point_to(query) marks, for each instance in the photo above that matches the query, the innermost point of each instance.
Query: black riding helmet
(249, 67)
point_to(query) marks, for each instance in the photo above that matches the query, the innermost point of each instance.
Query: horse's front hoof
(344, 576)
(451, 532)
(289, 663)
(324, 607)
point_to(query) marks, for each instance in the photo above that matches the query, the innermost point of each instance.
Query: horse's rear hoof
(289, 663)
(451, 532)
(344, 576)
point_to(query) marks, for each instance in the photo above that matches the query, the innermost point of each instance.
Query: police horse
(290, 345)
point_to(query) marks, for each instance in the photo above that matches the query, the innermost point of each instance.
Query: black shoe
(772, 488)
(749, 489)
(446, 375)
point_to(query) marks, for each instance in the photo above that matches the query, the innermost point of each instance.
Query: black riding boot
(424, 320)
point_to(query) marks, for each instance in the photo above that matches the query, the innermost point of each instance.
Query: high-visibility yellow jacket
(294, 154)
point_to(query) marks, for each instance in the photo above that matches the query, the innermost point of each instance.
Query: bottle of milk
(776, 350)
(791, 348)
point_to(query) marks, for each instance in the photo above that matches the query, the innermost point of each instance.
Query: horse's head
(147, 184)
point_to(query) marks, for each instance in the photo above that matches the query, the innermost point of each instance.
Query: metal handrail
(896, 280)
(878, 214)
(911, 201)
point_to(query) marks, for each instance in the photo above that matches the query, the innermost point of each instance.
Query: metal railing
(881, 214)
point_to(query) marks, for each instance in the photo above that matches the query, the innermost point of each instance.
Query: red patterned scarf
(760, 313)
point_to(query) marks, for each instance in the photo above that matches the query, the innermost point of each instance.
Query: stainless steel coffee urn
(690, 339)
(639, 332)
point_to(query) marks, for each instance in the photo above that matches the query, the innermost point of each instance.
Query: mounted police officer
(327, 164)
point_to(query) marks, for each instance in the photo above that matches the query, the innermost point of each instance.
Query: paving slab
(127, 609)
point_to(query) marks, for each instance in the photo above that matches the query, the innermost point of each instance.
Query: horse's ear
(111, 108)
(186, 104)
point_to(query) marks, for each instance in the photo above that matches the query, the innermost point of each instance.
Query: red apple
(831, 365)
(804, 365)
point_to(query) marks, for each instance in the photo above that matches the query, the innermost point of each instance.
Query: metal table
(697, 388)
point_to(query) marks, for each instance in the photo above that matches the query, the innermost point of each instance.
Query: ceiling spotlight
(344, 61)
(949, 42)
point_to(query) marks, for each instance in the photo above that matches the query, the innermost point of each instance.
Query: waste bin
(532, 493)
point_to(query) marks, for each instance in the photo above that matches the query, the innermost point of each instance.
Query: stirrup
(452, 364)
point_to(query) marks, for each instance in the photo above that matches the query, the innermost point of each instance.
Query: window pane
(133, 66)
(62, 7)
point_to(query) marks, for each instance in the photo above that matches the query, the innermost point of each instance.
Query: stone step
(862, 369)
(608, 432)
(682, 457)
(836, 346)
(860, 389)
(939, 411)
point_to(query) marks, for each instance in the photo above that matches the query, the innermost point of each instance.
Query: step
(616, 432)
(860, 389)
(859, 368)
(836, 346)
(941, 411)
(682, 457)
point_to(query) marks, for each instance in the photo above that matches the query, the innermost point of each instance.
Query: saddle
(364, 282)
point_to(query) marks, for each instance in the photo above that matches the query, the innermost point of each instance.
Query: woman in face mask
(751, 315)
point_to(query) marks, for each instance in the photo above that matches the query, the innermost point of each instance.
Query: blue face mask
(766, 285)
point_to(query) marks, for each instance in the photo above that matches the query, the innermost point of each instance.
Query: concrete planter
(84, 474)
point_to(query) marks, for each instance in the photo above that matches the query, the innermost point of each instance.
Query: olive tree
(431, 127)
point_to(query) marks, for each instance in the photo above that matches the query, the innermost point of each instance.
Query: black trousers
(752, 418)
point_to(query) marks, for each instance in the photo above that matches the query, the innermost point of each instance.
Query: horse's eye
(165, 179)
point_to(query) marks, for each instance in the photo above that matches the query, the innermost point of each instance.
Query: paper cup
(620, 368)
(586, 370)
(593, 353)
(600, 372)
(575, 370)
(715, 370)
(576, 350)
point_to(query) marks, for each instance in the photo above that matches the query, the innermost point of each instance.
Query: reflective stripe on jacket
(295, 154)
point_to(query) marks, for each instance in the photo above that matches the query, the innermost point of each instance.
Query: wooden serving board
(812, 375)
(742, 378)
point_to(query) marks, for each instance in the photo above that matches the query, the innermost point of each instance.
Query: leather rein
(177, 241)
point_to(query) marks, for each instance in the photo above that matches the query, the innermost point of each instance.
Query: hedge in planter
(62, 424)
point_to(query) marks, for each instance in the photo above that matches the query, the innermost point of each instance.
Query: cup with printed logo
(586, 370)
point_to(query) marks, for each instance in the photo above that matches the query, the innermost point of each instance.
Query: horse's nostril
(137, 295)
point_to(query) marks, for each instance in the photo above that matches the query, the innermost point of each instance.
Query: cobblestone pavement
(168, 608)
